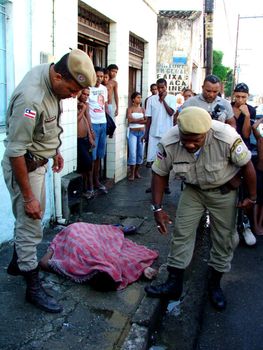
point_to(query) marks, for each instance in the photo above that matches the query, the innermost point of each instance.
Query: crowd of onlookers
(94, 104)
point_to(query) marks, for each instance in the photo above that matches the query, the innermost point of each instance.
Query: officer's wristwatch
(156, 207)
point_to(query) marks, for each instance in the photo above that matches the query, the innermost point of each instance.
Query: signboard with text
(177, 76)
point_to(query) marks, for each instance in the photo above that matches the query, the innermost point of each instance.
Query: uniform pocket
(182, 171)
(215, 171)
(47, 128)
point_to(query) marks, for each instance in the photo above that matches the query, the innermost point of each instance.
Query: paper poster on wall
(177, 77)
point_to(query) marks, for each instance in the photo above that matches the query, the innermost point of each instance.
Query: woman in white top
(137, 120)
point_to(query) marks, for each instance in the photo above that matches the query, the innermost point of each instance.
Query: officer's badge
(29, 113)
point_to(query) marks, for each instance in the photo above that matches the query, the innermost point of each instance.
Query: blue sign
(179, 60)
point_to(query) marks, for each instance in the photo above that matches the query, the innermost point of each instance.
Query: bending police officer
(33, 136)
(208, 156)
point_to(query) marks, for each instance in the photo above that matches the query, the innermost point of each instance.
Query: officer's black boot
(215, 292)
(36, 294)
(171, 289)
(13, 268)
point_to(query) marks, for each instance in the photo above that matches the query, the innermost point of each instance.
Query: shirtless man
(112, 87)
(86, 141)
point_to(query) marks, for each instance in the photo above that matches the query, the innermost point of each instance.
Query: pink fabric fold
(82, 249)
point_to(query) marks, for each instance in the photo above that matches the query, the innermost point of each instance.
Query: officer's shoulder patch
(161, 153)
(237, 146)
(239, 150)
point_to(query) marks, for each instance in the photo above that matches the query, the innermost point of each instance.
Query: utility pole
(235, 62)
(209, 10)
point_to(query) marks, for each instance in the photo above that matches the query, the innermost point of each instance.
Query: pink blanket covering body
(81, 249)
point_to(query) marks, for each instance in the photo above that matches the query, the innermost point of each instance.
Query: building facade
(180, 49)
(35, 31)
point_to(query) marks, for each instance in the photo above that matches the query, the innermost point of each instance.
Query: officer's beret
(194, 120)
(81, 68)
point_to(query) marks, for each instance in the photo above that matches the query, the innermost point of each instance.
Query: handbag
(111, 126)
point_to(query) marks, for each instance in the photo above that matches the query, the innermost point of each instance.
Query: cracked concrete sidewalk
(90, 320)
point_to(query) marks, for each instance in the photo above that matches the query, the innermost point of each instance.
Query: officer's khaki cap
(81, 68)
(194, 120)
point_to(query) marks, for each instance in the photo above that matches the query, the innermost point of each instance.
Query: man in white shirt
(97, 109)
(159, 112)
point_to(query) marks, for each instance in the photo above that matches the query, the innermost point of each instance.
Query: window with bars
(3, 97)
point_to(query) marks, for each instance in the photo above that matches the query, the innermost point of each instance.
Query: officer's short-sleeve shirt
(33, 117)
(218, 161)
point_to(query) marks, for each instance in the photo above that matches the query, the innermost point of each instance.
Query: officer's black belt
(224, 189)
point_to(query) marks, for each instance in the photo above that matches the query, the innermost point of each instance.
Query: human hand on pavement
(162, 219)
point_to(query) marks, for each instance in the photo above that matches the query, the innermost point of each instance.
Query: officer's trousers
(222, 212)
(27, 232)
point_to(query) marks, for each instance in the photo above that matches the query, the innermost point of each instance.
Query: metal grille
(136, 46)
(93, 21)
(191, 15)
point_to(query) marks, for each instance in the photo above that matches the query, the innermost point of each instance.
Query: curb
(146, 319)
(187, 324)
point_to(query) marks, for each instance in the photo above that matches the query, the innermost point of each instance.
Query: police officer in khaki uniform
(208, 156)
(33, 137)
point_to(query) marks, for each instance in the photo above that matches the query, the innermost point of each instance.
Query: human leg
(98, 153)
(28, 234)
(96, 172)
(222, 209)
(132, 144)
(85, 166)
(245, 222)
(258, 208)
(216, 295)
(43, 263)
(139, 153)
(151, 154)
(182, 245)
(131, 176)
(258, 219)
(110, 110)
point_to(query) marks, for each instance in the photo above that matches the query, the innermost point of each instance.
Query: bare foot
(138, 176)
(131, 178)
(150, 273)
(43, 263)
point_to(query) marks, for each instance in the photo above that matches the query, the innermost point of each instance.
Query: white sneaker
(249, 238)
